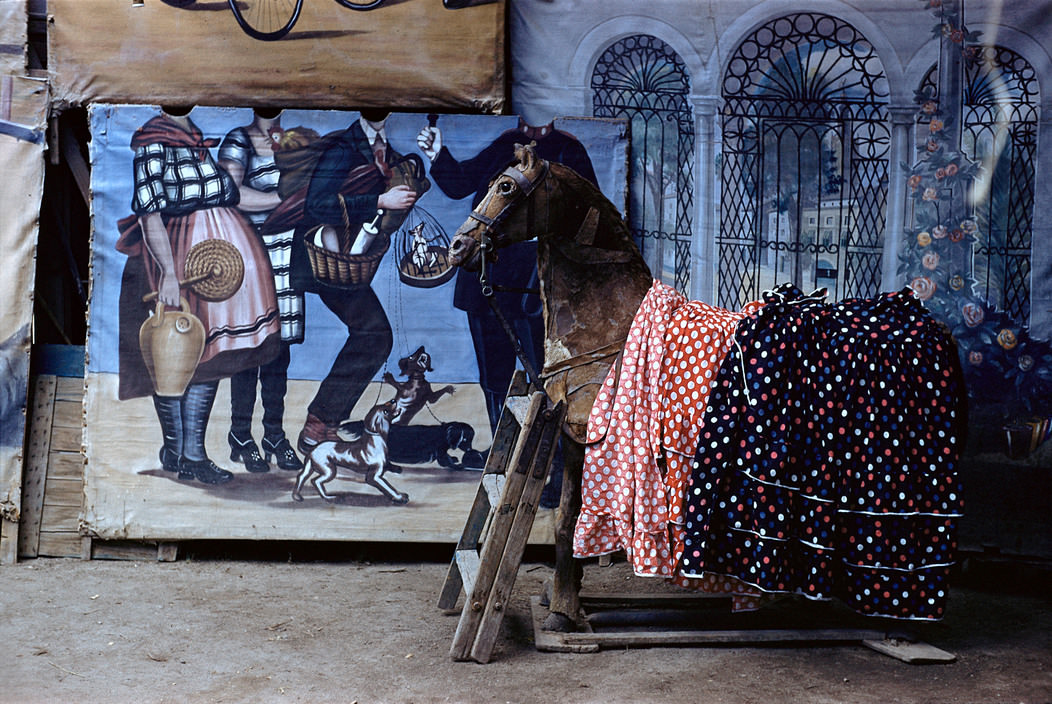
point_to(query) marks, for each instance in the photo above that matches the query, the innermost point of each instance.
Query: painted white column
(900, 155)
(704, 262)
(1041, 239)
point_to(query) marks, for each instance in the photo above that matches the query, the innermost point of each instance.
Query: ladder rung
(518, 405)
(468, 564)
(494, 486)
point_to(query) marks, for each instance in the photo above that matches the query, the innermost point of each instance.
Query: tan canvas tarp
(23, 104)
(13, 28)
(402, 54)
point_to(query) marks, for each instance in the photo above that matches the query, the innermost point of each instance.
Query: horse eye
(506, 187)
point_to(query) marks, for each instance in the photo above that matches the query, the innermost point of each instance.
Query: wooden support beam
(35, 471)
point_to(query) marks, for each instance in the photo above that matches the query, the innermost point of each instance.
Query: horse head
(500, 218)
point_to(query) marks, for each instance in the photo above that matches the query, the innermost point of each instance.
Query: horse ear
(526, 155)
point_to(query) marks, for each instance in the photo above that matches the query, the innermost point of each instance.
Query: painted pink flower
(930, 261)
(951, 169)
(1007, 339)
(940, 174)
(956, 236)
(975, 358)
(923, 287)
(930, 194)
(915, 180)
(936, 124)
(973, 314)
(939, 231)
(929, 107)
(957, 36)
(932, 145)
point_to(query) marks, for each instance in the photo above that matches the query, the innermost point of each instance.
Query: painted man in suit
(516, 268)
(352, 176)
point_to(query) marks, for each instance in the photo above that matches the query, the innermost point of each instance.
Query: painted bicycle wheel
(360, 4)
(266, 19)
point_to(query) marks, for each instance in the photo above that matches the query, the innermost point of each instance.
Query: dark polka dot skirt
(827, 460)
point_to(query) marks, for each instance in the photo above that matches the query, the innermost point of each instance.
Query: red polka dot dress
(622, 488)
(642, 436)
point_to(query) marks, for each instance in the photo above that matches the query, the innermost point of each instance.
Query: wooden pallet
(487, 557)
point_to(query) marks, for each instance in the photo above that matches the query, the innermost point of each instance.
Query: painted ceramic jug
(171, 344)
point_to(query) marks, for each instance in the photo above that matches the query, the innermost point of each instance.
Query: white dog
(365, 455)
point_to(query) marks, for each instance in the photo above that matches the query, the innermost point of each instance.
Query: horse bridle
(493, 237)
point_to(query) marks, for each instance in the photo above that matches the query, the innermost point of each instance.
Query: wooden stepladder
(487, 557)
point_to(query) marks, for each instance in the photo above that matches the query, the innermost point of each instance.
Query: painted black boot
(243, 449)
(197, 406)
(170, 415)
(285, 457)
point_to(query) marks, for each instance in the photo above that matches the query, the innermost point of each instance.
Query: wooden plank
(468, 564)
(167, 552)
(8, 542)
(494, 487)
(66, 439)
(914, 652)
(551, 421)
(60, 491)
(519, 406)
(59, 544)
(60, 519)
(693, 600)
(123, 550)
(68, 414)
(36, 465)
(643, 639)
(75, 161)
(70, 388)
(66, 465)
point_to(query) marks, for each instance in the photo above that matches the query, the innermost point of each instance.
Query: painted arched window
(642, 79)
(999, 119)
(805, 161)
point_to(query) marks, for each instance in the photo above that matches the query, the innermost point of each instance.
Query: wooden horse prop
(592, 280)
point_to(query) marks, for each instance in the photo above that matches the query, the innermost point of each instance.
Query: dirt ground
(361, 625)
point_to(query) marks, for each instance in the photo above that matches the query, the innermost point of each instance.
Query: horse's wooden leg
(565, 606)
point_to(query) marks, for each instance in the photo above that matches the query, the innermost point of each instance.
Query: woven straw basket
(347, 270)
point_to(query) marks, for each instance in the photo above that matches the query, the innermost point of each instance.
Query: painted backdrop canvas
(130, 495)
(23, 109)
(400, 54)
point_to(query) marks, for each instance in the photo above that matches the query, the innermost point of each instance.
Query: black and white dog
(363, 456)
